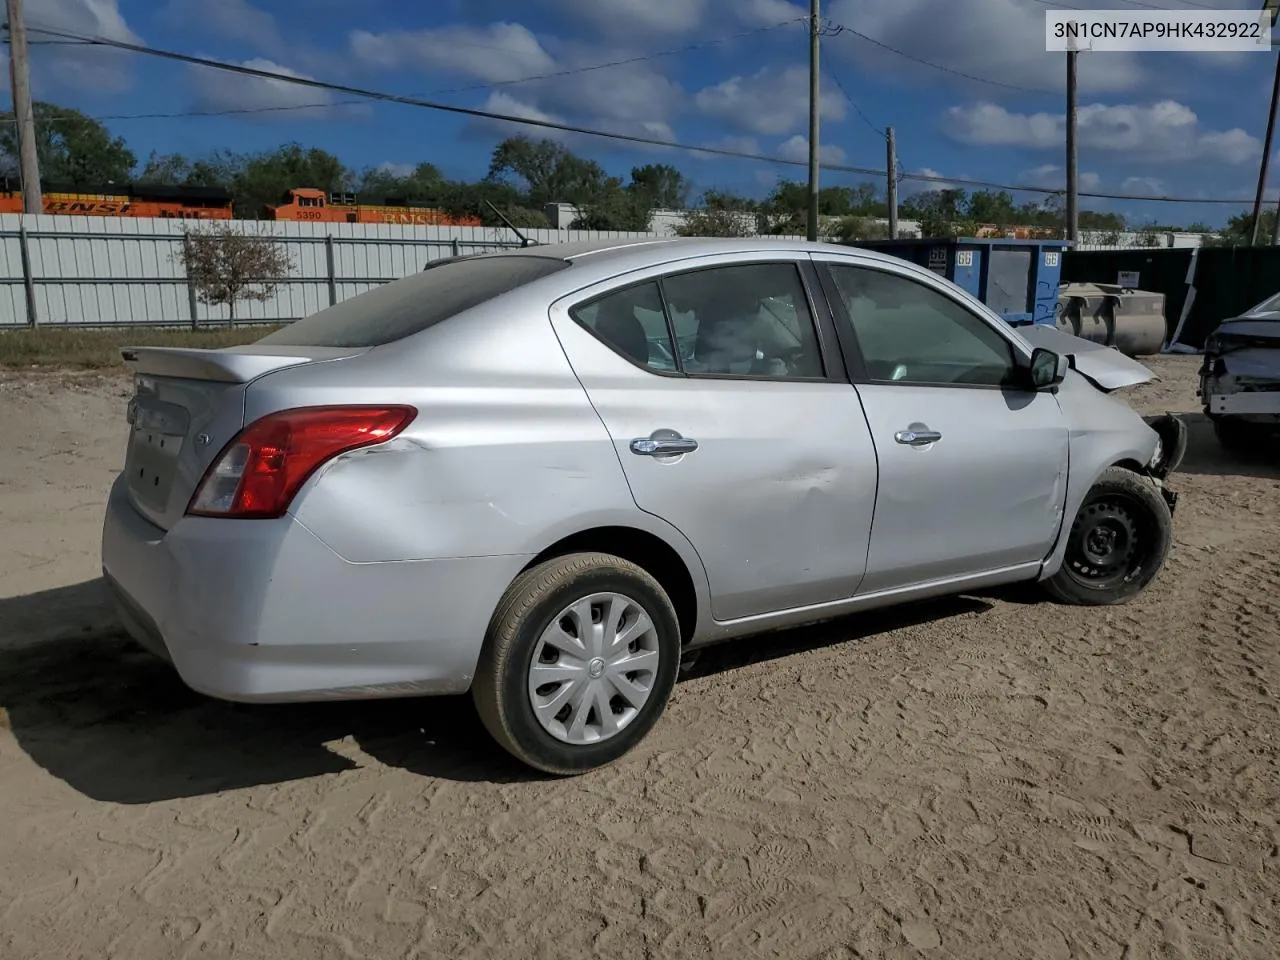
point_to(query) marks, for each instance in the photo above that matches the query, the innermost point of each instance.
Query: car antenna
(524, 241)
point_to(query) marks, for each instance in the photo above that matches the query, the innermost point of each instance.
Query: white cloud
(1052, 176)
(92, 69)
(400, 170)
(504, 103)
(498, 52)
(734, 143)
(797, 148)
(277, 99)
(657, 130)
(237, 20)
(634, 94)
(1143, 185)
(770, 102)
(1000, 40)
(633, 98)
(242, 22)
(937, 181)
(768, 12)
(1166, 130)
(625, 18)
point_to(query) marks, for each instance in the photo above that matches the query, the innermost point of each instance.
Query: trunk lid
(186, 405)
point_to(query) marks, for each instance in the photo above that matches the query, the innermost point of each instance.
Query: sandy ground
(983, 777)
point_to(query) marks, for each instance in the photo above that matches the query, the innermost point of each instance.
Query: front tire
(579, 662)
(1118, 542)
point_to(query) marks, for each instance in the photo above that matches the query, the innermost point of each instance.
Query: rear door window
(633, 323)
(416, 302)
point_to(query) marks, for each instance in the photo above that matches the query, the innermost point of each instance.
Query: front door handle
(670, 447)
(917, 438)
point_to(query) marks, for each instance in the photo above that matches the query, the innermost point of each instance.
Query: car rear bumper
(262, 610)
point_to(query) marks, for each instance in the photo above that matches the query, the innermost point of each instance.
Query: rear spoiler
(229, 365)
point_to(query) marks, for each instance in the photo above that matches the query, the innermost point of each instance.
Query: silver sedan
(547, 476)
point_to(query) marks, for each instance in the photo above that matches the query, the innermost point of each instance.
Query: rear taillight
(260, 471)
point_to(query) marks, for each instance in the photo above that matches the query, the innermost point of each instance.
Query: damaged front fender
(1172, 432)
(1105, 367)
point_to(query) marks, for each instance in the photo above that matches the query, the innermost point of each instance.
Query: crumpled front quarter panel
(1104, 431)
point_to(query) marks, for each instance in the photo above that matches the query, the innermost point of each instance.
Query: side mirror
(1048, 369)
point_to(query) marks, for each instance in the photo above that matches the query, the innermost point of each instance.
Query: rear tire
(579, 662)
(1118, 542)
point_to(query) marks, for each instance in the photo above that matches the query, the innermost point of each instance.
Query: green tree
(547, 172)
(867, 200)
(989, 206)
(1104, 222)
(715, 222)
(724, 200)
(226, 265)
(424, 182)
(262, 179)
(938, 206)
(615, 208)
(165, 170)
(663, 185)
(1239, 230)
(855, 227)
(72, 148)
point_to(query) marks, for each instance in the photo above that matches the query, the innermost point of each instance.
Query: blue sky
(1183, 124)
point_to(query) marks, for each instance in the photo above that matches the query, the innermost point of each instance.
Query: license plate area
(157, 435)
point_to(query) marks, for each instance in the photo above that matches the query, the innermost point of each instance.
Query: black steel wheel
(1117, 543)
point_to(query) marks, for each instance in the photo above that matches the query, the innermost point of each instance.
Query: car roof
(595, 260)
(664, 248)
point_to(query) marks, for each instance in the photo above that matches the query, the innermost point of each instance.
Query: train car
(125, 200)
(315, 206)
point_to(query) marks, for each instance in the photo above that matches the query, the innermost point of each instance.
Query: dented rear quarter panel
(505, 457)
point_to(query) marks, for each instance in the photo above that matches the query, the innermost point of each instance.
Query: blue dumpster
(1018, 279)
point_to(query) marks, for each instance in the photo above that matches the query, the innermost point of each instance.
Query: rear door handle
(649, 447)
(917, 438)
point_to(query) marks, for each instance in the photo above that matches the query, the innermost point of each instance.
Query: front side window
(911, 333)
(749, 320)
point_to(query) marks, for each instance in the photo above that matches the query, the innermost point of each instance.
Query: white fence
(99, 271)
(102, 271)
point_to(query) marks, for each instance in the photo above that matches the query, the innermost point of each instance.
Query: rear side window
(416, 302)
(633, 323)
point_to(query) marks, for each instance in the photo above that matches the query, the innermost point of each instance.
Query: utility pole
(891, 192)
(1266, 157)
(20, 83)
(1073, 155)
(812, 232)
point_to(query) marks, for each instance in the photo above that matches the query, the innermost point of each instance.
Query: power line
(641, 58)
(853, 103)
(384, 97)
(839, 28)
(940, 67)
(627, 61)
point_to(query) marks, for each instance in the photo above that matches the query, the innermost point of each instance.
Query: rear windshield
(413, 303)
